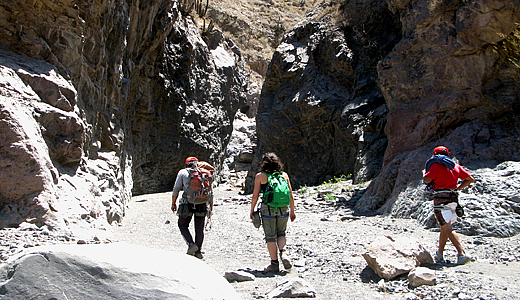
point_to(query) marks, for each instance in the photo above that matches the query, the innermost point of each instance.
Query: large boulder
(390, 257)
(491, 204)
(111, 271)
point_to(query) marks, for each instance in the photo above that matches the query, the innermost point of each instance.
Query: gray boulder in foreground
(110, 271)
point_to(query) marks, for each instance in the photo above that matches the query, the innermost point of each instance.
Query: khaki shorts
(274, 221)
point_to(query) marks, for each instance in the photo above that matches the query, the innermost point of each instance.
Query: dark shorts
(188, 210)
(274, 221)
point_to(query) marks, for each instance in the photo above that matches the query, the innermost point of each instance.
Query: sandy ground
(327, 251)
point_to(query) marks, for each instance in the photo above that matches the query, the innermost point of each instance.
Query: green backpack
(277, 192)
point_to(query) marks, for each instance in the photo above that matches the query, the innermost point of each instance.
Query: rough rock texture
(421, 276)
(102, 100)
(293, 288)
(320, 109)
(451, 80)
(239, 276)
(445, 74)
(102, 272)
(390, 257)
(448, 73)
(204, 86)
(491, 204)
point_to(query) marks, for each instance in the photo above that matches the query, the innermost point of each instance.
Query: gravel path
(328, 250)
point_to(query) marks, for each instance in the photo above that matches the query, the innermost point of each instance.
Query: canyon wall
(104, 100)
(321, 109)
(371, 91)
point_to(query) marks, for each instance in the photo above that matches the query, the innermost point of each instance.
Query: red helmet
(441, 150)
(191, 158)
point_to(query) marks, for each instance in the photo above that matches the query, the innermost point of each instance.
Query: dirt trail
(328, 249)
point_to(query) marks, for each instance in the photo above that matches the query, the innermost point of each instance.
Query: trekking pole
(208, 224)
(207, 227)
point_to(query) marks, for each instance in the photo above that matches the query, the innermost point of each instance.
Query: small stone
(239, 276)
(293, 288)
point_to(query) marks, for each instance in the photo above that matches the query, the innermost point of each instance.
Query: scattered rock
(239, 276)
(422, 276)
(293, 288)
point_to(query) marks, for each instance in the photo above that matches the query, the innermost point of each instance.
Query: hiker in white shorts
(443, 174)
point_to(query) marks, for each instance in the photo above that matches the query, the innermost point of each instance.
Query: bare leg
(281, 241)
(448, 232)
(443, 238)
(273, 250)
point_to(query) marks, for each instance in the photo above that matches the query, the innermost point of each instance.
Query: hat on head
(191, 158)
(441, 150)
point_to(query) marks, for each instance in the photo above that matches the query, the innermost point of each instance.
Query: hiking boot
(272, 268)
(286, 264)
(198, 255)
(439, 258)
(463, 259)
(192, 249)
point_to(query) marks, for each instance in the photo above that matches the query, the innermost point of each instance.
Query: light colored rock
(239, 276)
(390, 257)
(106, 270)
(422, 276)
(293, 288)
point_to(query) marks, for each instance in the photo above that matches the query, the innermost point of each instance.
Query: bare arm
(291, 203)
(174, 203)
(426, 179)
(259, 179)
(465, 183)
(177, 187)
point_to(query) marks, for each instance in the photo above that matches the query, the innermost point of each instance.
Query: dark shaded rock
(320, 109)
(201, 85)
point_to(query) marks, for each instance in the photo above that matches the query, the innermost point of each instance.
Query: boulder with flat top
(390, 257)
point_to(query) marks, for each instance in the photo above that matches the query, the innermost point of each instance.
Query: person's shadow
(264, 274)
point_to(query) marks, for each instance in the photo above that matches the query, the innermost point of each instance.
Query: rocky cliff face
(103, 100)
(321, 109)
(453, 79)
(447, 73)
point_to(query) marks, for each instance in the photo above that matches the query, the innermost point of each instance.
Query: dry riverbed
(325, 243)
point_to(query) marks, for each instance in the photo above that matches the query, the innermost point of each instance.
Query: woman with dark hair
(274, 216)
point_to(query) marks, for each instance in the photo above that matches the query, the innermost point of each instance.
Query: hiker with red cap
(195, 182)
(442, 175)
